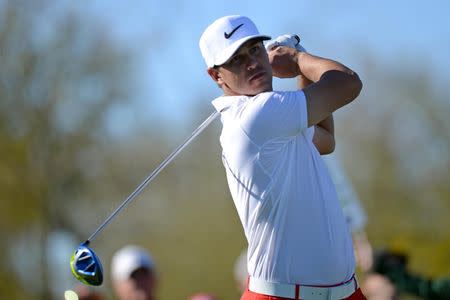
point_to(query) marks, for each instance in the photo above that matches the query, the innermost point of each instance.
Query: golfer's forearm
(323, 140)
(313, 67)
(324, 136)
(327, 124)
(334, 85)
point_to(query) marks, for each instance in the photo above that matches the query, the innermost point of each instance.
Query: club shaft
(155, 172)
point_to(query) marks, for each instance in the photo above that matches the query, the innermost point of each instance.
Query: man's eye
(255, 49)
(274, 47)
(235, 59)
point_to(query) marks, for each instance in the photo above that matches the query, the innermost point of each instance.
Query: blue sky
(171, 73)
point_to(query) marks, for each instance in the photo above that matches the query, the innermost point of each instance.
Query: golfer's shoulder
(280, 95)
(273, 106)
(273, 99)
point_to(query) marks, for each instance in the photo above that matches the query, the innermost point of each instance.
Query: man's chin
(251, 90)
(263, 87)
(255, 92)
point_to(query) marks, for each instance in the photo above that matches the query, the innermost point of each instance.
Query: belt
(308, 292)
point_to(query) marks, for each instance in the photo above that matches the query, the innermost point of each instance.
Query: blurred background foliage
(62, 171)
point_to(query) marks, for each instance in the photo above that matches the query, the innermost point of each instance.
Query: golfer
(299, 246)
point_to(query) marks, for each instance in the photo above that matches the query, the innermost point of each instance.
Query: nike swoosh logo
(228, 35)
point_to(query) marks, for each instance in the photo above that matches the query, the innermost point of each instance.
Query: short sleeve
(276, 114)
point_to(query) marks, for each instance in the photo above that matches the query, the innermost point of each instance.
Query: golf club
(84, 263)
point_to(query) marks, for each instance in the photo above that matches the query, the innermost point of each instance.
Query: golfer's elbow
(353, 86)
(331, 147)
(324, 141)
(326, 150)
(343, 85)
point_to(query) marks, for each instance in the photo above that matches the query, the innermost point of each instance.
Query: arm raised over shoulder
(323, 137)
(334, 85)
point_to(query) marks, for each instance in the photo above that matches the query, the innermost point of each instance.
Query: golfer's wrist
(299, 59)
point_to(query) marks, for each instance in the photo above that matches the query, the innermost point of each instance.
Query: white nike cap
(223, 37)
(129, 259)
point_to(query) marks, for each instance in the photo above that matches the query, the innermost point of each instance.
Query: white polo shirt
(282, 191)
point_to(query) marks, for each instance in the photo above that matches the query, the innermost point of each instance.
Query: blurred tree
(59, 75)
(396, 143)
(187, 220)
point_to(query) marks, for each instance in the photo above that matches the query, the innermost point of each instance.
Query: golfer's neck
(227, 92)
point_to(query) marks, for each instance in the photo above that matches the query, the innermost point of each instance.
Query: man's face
(247, 72)
(140, 286)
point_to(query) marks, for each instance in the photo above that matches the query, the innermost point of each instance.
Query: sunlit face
(247, 72)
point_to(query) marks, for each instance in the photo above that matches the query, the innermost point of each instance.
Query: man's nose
(251, 63)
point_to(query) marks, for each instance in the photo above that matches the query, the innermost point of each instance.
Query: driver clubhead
(86, 266)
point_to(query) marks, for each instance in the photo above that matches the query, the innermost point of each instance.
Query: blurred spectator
(378, 287)
(240, 272)
(202, 296)
(133, 274)
(351, 205)
(393, 265)
(374, 286)
(352, 209)
(85, 292)
(386, 274)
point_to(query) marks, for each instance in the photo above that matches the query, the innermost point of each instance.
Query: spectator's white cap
(223, 37)
(127, 260)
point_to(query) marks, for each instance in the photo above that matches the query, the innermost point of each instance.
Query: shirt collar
(223, 102)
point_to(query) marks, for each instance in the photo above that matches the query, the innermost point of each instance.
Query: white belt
(297, 291)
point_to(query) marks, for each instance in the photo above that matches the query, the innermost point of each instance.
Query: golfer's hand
(284, 61)
(288, 40)
(277, 60)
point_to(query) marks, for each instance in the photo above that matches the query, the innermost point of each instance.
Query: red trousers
(249, 295)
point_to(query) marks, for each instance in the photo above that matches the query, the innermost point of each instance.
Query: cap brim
(228, 52)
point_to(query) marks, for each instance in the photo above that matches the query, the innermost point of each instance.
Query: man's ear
(215, 75)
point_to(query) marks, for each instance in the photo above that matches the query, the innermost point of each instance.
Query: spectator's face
(202, 297)
(378, 287)
(86, 293)
(247, 72)
(140, 286)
